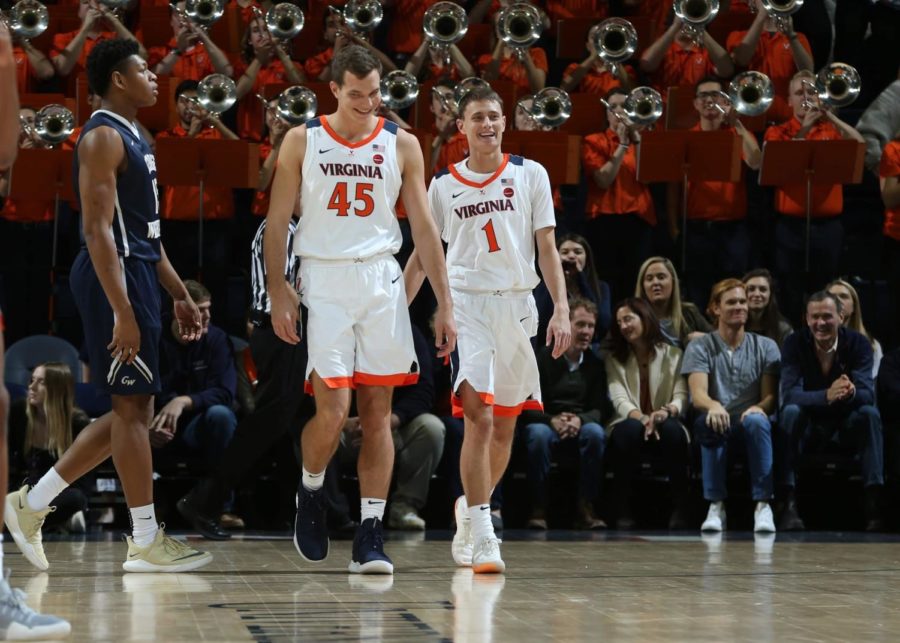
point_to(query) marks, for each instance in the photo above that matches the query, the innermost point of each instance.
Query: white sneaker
(715, 519)
(763, 521)
(462, 539)
(486, 556)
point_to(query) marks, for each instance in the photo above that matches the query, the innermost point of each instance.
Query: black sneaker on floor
(368, 550)
(191, 509)
(310, 525)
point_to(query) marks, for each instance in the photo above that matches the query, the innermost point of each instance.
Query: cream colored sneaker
(164, 554)
(25, 526)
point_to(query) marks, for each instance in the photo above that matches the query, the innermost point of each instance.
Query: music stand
(684, 155)
(793, 162)
(202, 162)
(29, 177)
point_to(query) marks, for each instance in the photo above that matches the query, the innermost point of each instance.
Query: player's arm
(281, 205)
(9, 103)
(425, 236)
(413, 276)
(186, 312)
(559, 331)
(100, 154)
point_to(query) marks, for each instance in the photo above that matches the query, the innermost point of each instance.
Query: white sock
(143, 525)
(47, 488)
(371, 508)
(482, 527)
(313, 481)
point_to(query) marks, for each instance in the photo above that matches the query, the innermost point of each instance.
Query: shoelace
(491, 546)
(31, 533)
(175, 547)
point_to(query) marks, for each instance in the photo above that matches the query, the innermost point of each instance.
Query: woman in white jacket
(648, 395)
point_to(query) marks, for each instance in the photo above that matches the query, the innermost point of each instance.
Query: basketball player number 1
(491, 236)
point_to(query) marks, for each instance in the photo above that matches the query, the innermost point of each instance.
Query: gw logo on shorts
(127, 381)
(153, 229)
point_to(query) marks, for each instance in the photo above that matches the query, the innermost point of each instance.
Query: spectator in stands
(889, 176)
(265, 61)
(70, 50)
(828, 396)
(32, 65)
(649, 396)
(30, 210)
(190, 54)
(449, 145)
(273, 136)
(575, 406)
(851, 317)
(680, 321)
(526, 69)
(194, 413)
(581, 283)
(404, 18)
(41, 428)
(594, 76)
(618, 206)
(718, 238)
(733, 380)
(418, 442)
(336, 36)
(764, 317)
(436, 67)
(523, 120)
(676, 60)
(812, 121)
(776, 53)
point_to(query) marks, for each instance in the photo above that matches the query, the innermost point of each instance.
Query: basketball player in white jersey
(491, 209)
(350, 167)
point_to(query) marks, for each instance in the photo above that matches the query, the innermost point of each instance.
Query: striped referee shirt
(261, 301)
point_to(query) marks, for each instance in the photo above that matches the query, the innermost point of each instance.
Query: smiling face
(708, 96)
(759, 292)
(823, 320)
(658, 283)
(483, 124)
(358, 98)
(630, 325)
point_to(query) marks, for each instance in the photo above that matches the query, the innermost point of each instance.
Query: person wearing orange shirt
(34, 210)
(594, 76)
(449, 145)
(405, 30)
(31, 65)
(526, 69)
(675, 60)
(811, 121)
(338, 35)
(777, 54)
(718, 239)
(889, 175)
(70, 50)
(266, 62)
(458, 68)
(619, 211)
(190, 54)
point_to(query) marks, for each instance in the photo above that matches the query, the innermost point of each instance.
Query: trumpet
(750, 93)
(615, 40)
(642, 107)
(519, 27)
(54, 123)
(695, 16)
(399, 90)
(27, 19)
(837, 85)
(551, 107)
(216, 93)
(202, 13)
(781, 11)
(362, 15)
(445, 24)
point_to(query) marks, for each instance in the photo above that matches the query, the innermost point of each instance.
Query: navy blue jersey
(135, 222)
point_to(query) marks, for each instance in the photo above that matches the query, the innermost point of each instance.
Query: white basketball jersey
(348, 194)
(489, 221)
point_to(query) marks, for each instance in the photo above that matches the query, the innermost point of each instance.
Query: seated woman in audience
(764, 317)
(649, 395)
(851, 316)
(680, 321)
(41, 428)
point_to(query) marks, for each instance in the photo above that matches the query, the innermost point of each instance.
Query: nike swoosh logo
(524, 318)
(133, 555)
(142, 518)
(485, 508)
(394, 280)
(325, 151)
(376, 502)
(453, 196)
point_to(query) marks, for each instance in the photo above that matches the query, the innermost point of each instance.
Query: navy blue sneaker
(368, 550)
(310, 526)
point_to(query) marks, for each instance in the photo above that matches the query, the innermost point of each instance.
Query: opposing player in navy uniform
(115, 280)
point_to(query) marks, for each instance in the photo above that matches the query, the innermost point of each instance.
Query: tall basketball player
(491, 209)
(350, 166)
(115, 280)
(18, 622)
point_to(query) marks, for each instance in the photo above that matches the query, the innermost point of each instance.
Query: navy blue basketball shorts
(141, 377)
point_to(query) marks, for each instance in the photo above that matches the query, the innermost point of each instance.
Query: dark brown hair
(652, 332)
(771, 315)
(580, 302)
(356, 59)
(478, 94)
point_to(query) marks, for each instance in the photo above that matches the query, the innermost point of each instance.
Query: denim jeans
(540, 440)
(755, 434)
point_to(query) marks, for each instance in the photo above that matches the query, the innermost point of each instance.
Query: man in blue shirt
(828, 395)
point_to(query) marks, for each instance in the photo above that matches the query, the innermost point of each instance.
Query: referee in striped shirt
(281, 403)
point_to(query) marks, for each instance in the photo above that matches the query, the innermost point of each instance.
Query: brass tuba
(781, 10)
(284, 21)
(445, 24)
(695, 16)
(54, 123)
(27, 19)
(519, 26)
(216, 93)
(297, 104)
(551, 107)
(399, 90)
(362, 15)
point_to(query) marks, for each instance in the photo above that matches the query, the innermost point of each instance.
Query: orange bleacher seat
(570, 45)
(476, 42)
(588, 115)
(558, 152)
(36, 101)
(680, 112)
(156, 29)
(725, 23)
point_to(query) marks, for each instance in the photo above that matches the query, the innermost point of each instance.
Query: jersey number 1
(491, 236)
(363, 200)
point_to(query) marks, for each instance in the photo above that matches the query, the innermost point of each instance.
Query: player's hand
(285, 307)
(188, 317)
(126, 338)
(444, 330)
(559, 332)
